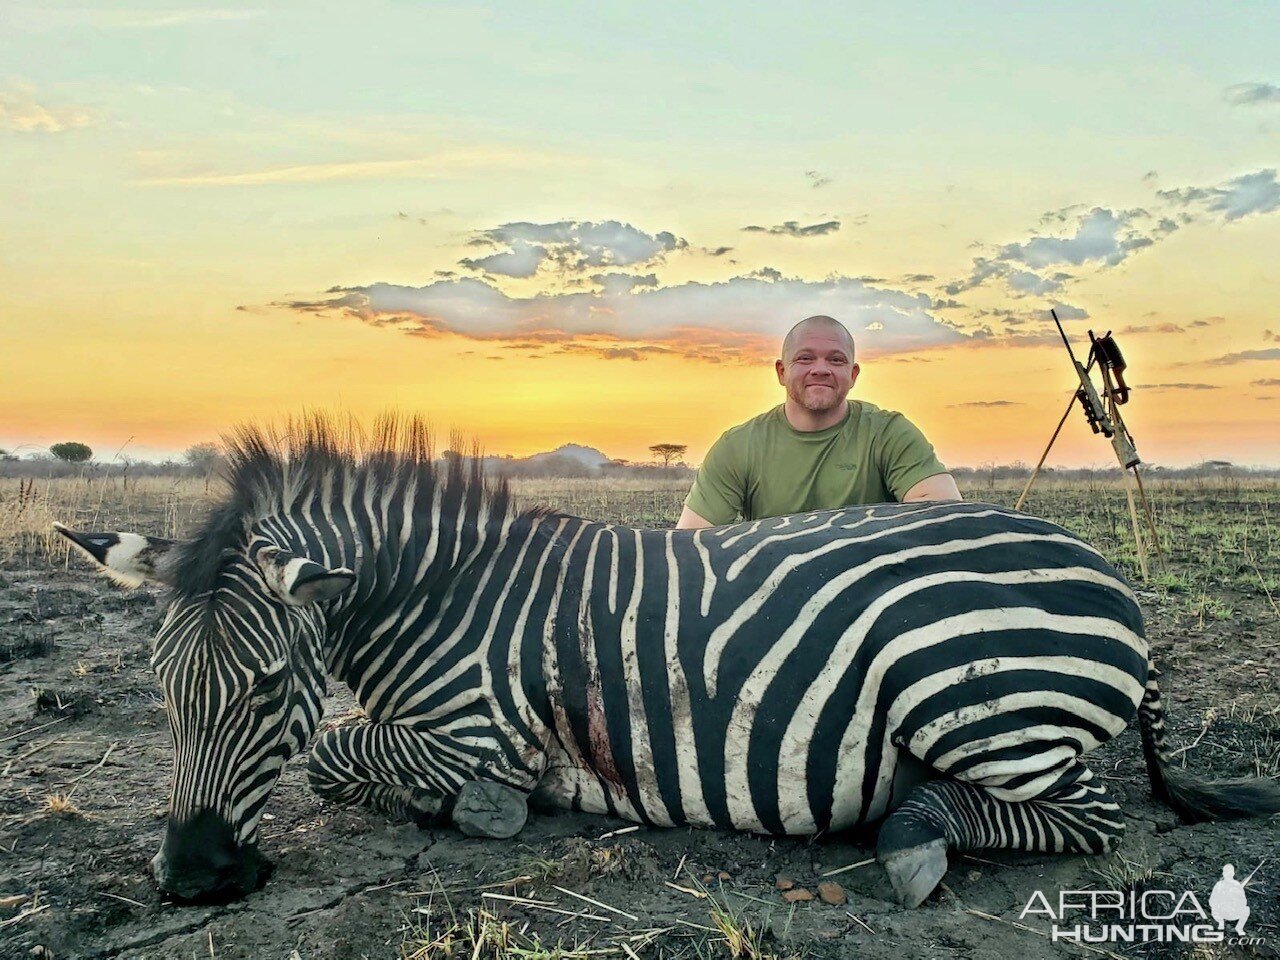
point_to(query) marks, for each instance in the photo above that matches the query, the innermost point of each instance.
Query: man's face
(820, 371)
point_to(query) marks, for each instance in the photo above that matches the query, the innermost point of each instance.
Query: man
(817, 450)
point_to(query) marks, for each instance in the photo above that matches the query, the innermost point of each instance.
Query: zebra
(939, 668)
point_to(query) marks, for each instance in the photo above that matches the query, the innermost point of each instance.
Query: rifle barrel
(1062, 333)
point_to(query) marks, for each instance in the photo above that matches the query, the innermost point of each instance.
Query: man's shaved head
(808, 323)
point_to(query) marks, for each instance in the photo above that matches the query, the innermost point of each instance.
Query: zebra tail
(1193, 799)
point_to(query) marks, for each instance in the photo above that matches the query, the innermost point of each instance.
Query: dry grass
(60, 805)
(160, 506)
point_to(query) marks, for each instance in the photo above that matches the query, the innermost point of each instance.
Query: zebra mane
(270, 470)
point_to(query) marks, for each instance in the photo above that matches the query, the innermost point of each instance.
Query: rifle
(1100, 421)
(1104, 417)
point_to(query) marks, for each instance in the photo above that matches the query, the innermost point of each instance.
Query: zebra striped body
(764, 676)
(770, 676)
(944, 665)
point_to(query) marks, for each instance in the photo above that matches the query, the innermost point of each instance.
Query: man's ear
(127, 558)
(299, 581)
(854, 369)
(781, 369)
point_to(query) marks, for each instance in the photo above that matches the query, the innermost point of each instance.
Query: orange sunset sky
(593, 224)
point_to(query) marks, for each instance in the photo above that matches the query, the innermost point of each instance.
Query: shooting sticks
(1103, 416)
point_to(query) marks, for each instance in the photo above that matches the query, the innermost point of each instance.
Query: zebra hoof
(487, 809)
(916, 871)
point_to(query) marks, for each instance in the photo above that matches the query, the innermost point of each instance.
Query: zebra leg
(415, 775)
(1074, 814)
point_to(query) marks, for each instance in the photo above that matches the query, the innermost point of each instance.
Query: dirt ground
(85, 762)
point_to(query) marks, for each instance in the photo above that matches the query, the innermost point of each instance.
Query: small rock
(797, 895)
(785, 883)
(706, 878)
(723, 875)
(975, 876)
(832, 893)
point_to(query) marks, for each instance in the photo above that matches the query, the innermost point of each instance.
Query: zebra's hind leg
(1075, 814)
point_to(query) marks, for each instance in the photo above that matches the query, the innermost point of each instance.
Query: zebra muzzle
(200, 862)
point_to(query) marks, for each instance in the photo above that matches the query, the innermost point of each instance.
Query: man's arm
(911, 470)
(718, 490)
(941, 486)
(692, 521)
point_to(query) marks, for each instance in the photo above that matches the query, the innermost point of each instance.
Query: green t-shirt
(767, 468)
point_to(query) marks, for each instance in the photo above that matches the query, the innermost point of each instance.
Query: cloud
(1150, 177)
(613, 284)
(1024, 282)
(1152, 328)
(569, 245)
(1242, 356)
(792, 228)
(522, 260)
(1182, 386)
(1099, 236)
(716, 251)
(1065, 311)
(1267, 382)
(1103, 238)
(439, 166)
(737, 320)
(1251, 94)
(918, 278)
(21, 112)
(1270, 336)
(1251, 193)
(816, 180)
(51, 18)
(986, 403)
(602, 352)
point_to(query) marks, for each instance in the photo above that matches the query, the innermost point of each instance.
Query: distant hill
(587, 456)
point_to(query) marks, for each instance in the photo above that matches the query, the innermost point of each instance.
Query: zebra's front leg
(1073, 815)
(417, 775)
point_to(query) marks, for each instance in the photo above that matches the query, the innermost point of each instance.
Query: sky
(593, 223)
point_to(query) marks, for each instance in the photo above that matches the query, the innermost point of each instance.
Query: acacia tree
(667, 452)
(203, 457)
(71, 452)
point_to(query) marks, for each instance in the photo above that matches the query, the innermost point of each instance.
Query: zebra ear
(299, 581)
(127, 558)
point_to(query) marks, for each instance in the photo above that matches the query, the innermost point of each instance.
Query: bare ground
(82, 728)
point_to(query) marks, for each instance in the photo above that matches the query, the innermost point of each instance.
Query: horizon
(163, 458)
(586, 226)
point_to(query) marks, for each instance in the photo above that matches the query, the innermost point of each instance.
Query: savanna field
(85, 763)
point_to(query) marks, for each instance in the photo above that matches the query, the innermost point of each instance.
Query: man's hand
(691, 521)
(941, 486)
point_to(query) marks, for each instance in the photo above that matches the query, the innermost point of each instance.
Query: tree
(7, 457)
(203, 457)
(71, 452)
(667, 452)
